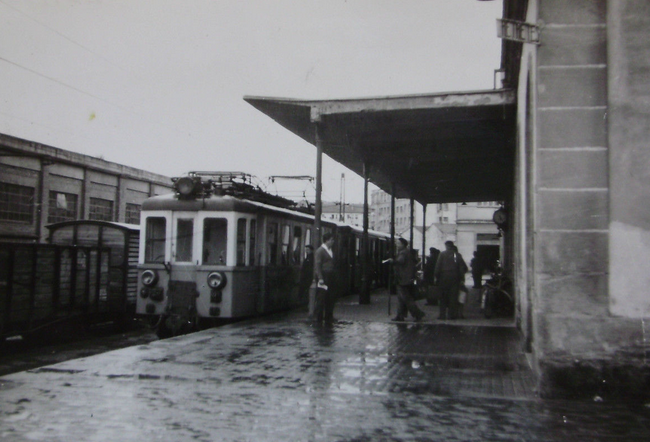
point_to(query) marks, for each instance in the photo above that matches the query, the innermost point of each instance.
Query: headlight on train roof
(187, 187)
(149, 278)
(216, 280)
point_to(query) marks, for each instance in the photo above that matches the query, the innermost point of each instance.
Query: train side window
(241, 242)
(184, 239)
(154, 246)
(297, 237)
(273, 243)
(215, 235)
(308, 238)
(252, 241)
(286, 240)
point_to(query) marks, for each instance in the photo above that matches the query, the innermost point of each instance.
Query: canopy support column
(364, 297)
(318, 209)
(411, 221)
(424, 234)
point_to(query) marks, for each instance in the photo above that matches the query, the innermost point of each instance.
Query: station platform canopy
(434, 148)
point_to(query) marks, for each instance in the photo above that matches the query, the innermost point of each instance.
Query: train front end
(192, 258)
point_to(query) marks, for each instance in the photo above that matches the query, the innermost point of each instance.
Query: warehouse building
(40, 185)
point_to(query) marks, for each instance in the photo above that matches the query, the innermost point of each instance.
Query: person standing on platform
(477, 270)
(404, 267)
(429, 268)
(449, 274)
(326, 283)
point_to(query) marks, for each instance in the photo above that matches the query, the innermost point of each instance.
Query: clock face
(500, 217)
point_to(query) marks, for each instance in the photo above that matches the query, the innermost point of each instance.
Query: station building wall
(582, 229)
(41, 184)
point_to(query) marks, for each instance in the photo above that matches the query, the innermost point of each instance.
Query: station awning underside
(436, 148)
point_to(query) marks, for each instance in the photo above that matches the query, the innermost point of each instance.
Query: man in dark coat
(477, 270)
(429, 269)
(326, 283)
(449, 273)
(404, 266)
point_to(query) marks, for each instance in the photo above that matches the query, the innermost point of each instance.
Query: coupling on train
(219, 248)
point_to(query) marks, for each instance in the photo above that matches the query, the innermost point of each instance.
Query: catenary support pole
(411, 221)
(424, 234)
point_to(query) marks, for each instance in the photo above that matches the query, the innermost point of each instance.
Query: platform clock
(500, 218)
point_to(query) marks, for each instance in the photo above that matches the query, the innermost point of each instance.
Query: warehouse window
(63, 207)
(16, 203)
(100, 209)
(132, 213)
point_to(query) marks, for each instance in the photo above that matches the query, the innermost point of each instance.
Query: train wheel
(163, 331)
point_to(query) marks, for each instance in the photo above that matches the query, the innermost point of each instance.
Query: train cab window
(241, 241)
(297, 237)
(154, 246)
(184, 240)
(215, 234)
(252, 243)
(273, 243)
(286, 240)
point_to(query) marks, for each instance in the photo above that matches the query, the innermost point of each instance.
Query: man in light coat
(325, 279)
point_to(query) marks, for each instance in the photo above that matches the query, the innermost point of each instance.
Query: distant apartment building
(40, 185)
(469, 225)
(350, 213)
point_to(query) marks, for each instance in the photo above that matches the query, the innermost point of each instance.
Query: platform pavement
(283, 378)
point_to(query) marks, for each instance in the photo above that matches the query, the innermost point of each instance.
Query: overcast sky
(158, 84)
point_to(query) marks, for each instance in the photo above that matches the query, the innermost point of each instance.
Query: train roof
(228, 203)
(119, 226)
(221, 203)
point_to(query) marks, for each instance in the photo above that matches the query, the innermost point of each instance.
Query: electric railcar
(219, 248)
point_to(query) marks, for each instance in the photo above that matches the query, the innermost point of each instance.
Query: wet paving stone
(284, 379)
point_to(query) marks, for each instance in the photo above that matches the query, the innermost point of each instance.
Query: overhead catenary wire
(75, 88)
(76, 43)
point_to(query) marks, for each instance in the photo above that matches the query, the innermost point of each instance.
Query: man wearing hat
(450, 271)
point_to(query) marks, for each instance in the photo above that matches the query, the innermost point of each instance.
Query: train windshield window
(154, 248)
(273, 243)
(251, 244)
(215, 234)
(297, 236)
(241, 241)
(184, 239)
(286, 234)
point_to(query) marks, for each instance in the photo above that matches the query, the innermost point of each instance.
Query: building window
(16, 203)
(63, 207)
(132, 214)
(100, 209)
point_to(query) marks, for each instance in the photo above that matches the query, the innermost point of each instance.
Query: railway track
(20, 354)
